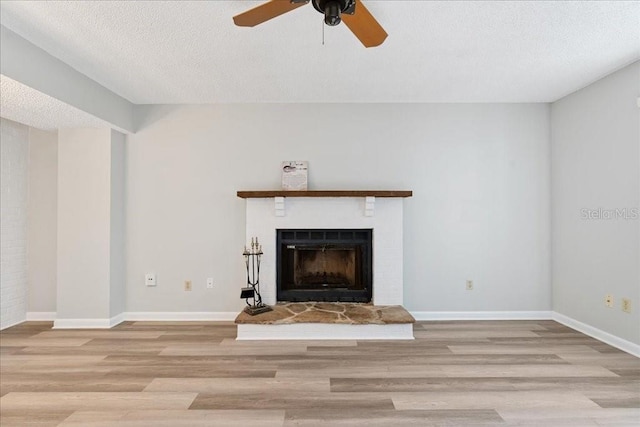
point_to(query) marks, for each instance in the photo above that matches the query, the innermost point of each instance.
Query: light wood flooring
(505, 373)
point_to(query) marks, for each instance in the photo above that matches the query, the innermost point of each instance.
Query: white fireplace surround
(382, 214)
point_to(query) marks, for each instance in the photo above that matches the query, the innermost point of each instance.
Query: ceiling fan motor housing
(332, 9)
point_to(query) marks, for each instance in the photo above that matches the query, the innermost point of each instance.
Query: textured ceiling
(25, 105)
(153, 52)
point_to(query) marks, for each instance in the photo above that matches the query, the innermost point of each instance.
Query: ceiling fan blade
(364, 26)
(266, 11)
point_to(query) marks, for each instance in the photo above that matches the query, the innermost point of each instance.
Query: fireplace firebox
(324, 265)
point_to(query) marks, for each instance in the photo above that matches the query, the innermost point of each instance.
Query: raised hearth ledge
(325, 331)
(262, 194)
(327, 321)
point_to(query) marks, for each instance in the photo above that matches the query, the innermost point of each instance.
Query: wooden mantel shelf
(324, 193)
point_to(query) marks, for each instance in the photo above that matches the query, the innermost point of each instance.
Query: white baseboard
(41, 316)
(117, 319)
(81, 324)
(598, 334)
(325, 331)
(88, 323)
(481, 315)
(157, 316)
(171, 316)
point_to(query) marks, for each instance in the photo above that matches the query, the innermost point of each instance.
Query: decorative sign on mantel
(294, 175)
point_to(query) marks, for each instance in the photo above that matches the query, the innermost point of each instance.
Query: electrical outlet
(608, 300)
(626, 305)
(187, 285)
(210, 283)
(150, 279)
(469, 285)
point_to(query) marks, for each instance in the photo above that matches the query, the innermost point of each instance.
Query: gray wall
(117, 291)
(480, 211)
(596, 164)
(42, 223)
(90, 267)
(84, 163)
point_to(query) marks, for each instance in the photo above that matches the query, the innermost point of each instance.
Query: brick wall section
(14, 143)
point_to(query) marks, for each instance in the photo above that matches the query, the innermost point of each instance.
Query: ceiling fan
(352, 12)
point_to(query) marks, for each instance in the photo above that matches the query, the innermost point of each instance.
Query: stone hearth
(333, 313)
(332, 321)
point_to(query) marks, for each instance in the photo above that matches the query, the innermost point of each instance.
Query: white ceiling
(153, 52)
(25, 105)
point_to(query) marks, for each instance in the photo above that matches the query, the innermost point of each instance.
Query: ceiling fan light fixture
(333, 9)
(332, 13)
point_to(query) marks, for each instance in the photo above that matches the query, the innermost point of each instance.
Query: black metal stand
(252, 291)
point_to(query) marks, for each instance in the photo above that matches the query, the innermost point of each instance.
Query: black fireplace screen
(324, 265)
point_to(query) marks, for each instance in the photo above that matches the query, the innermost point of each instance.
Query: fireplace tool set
(252, 290)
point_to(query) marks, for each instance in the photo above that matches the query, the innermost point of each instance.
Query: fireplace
(324, 265)
(268, 213)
